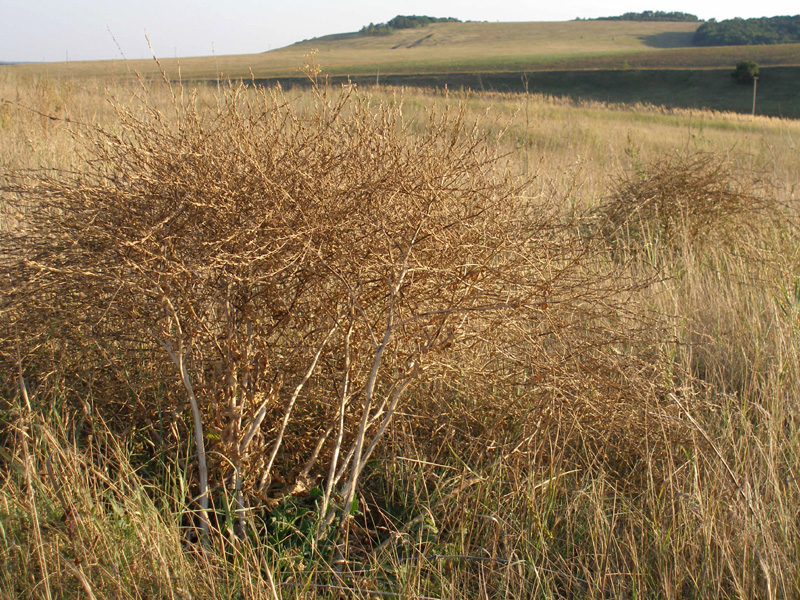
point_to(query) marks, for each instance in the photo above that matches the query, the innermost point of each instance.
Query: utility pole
(755, 85)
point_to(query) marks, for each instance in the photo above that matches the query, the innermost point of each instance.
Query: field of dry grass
(627, 427)
(608, 61)
(458, 47)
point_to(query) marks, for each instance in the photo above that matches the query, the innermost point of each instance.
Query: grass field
(652, 451)
(446, 47)
(435, 47)
(608, 61)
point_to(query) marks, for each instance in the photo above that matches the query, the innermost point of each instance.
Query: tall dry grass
(542, 452)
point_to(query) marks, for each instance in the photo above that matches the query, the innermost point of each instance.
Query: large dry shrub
(287, 274)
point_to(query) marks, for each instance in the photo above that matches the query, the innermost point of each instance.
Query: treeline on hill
(403, 22)
(746, 32)
(651, 15)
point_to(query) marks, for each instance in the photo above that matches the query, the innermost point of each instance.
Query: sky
(58, 30)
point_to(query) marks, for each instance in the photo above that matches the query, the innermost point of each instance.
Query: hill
(439, 47)
(443, 46)
(466, 47)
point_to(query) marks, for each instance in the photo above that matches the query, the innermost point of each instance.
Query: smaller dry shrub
(682, 198)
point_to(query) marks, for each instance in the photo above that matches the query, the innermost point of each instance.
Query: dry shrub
(286, 275)
(682, 198)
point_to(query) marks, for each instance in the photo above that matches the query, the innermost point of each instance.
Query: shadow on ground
(669, 39)
(714, 89)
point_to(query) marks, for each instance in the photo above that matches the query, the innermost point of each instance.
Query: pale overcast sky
(54, 30)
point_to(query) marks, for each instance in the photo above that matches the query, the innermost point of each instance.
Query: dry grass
(453, 47)
(464, 42)
(547, 453)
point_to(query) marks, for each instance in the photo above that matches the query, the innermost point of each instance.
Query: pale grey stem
(350, 488)
(385, 423)
(326, 498)
(260, 414)
(321, 442)
(343, 466)
(288, 413)
(202, 468)
(379, 412)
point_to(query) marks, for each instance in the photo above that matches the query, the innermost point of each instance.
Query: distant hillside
(494, 42)
(650, 15)
(451, 47)
(749, 32)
